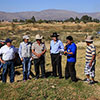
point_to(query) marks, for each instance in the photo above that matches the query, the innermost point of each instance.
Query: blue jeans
(6, 66)
(26, 68)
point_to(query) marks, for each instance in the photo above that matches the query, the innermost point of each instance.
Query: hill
(50, 14)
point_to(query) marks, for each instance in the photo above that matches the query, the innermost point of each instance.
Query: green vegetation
(52, 88)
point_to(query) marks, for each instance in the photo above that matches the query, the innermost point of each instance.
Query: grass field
(52, 88)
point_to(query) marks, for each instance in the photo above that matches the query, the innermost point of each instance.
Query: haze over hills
(50, 14)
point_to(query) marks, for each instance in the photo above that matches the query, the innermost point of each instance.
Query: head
(38, 41)
(55, 36)
(88, 43)
(26, 38)
(89, 40)
(38, 38)
(8, 42)
(69, 39)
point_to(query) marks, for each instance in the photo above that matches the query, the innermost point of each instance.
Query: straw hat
(89, 39)
(38, 37)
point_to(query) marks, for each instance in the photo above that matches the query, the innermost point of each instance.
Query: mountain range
(50, 14)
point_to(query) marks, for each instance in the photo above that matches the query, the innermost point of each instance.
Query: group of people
(29, 52)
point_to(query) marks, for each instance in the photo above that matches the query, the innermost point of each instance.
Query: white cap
(25, 37)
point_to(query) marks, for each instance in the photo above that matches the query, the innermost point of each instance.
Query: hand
(21, 59)
(39, 55)
(2, 61)
(90, 64)
(65, 52)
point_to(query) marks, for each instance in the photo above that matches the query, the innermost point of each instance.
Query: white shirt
(8, 53)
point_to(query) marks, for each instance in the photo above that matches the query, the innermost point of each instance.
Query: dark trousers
(40, 62)
(70, 71)
(56, 64)
(8, 65)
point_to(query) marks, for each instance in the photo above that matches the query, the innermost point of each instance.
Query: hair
(69, 38)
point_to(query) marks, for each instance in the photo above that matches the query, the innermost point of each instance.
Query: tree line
(83, 19)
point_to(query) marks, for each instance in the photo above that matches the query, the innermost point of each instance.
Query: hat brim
(38, 38)
(88, 40)
(54, 35)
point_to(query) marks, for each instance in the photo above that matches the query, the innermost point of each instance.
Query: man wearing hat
(56, 46)
(25, 56)
(38, 50)
(90, 60)
(8, 54)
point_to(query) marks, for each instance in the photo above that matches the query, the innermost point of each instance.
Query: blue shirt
(56, 47)
(71, 48)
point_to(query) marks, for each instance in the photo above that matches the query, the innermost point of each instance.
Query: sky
(38, 5)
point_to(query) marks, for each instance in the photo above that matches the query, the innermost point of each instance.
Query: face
(25, 40)
(9, 44)
(54, 38)
(88, 43)
(69, 42)
(38, 41)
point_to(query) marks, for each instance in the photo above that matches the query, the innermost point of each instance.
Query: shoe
(91, 82)
(24, 80)
(86, 80)
(36, 78)
(29, 78)
(60, 77)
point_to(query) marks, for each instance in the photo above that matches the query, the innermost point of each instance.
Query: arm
(93, 56)
(73, 51)
(61, 46)
(20, 52)
(1, 58)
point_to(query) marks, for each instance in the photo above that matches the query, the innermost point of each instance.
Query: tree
(77, 20)
(96, 20)
(15, 20)
(33, 19)
(22, 21)
(86, 18)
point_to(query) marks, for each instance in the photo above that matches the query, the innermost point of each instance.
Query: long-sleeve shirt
(71, 48)
(8, 53)
(25, 50)
(56, 47)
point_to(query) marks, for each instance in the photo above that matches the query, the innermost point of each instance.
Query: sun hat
(38, 37)
(55, 34)
(89, 39)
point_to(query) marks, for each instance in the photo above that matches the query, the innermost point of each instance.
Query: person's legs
(36, 65)
(92, 73)
(42, 63)
(72, 71)
(29, 68)
(67, 74)
(59, 66)
(24, 69)
(12, 71)
(4, 74)
(54, 66)
(87, 72)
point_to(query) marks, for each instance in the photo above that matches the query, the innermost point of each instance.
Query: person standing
(39, 50)
(70, 50)
(55, 47)
(8, 54)
(90, 60)
(25, 55)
